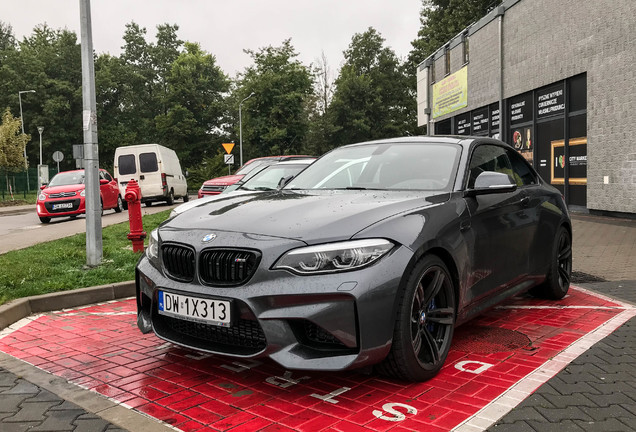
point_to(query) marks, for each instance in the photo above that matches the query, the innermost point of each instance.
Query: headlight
(334, 257)
(152, 251)
(83, 192)
(42, 196)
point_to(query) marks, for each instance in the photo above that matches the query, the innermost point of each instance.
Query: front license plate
(62, 206)
(209, 311)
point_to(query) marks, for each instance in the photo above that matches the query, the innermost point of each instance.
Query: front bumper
(46, 208)
(322, 322)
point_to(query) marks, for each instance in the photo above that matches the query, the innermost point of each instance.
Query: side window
(107, 176)
(126, 164)
(148, 162)
(488, 158)
(523, 174)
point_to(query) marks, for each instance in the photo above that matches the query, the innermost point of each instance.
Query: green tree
(12, 142)
(193, 123)
(49, 62)
(275, 118)
(372, 97)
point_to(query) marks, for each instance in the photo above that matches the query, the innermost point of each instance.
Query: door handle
(141, 177)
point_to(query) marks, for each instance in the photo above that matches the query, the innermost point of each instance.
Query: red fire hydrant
(137, 233)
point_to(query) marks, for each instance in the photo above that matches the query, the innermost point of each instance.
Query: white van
(157, 170)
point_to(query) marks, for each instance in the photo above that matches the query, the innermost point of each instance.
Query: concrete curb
(21, 308)
(16, 210)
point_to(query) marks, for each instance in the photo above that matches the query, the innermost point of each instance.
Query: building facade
(557, 80)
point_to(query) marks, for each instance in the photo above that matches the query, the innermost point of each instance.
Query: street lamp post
(40, 129)
(26, 164)
(241, 129)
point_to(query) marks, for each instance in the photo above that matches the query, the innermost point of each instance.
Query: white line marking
(523, 388)
(564, 307)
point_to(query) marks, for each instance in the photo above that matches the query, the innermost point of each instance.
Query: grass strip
(60, 265)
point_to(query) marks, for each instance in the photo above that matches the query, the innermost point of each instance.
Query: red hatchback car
(64, 195)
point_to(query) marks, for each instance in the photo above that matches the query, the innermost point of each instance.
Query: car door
(109, 191)
(501, 228)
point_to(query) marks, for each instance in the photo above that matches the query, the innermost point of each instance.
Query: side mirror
(103, 181)
(491, 182)
(284, 181)
(43, 186)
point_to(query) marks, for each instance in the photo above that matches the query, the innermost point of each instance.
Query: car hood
(309, 216)
(65, 188)
(225, 180)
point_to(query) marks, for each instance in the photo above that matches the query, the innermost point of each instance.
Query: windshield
(248, 168)
(67, 178)
(269, 178)
(387, 166)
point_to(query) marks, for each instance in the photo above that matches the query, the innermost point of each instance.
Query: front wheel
(424, 324)
(557, 281)
(186, 198)
(45, 219)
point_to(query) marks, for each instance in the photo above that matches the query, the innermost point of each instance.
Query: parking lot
(495, 362)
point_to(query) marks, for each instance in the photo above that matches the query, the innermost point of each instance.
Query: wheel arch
(448, 260)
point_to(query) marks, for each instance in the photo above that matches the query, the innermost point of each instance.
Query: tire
(186, 198)
(45, 220)
(101, 205)
(73, 217)
(125, 205)
(148, 203)
(170, 199)
(120, 205)
(557, 281)
(424, 323)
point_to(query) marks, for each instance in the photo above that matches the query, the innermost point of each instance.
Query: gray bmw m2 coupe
(370, 256)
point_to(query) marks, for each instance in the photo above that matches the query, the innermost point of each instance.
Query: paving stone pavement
(596, 392)
(27, 407)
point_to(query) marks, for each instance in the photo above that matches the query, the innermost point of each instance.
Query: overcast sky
(225, 28)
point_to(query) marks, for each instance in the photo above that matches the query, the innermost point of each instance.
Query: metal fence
(19, 184)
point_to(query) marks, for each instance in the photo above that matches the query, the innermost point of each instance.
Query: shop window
(443, 127)
(578, 93)
(447, 63)
(551, 152)
(465, 47)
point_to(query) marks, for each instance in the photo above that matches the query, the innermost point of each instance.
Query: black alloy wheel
(425, 323)
(557, 282)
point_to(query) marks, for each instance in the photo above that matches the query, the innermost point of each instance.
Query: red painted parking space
(502, 356)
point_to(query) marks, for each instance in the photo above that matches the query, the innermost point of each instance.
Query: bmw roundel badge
(208, 238)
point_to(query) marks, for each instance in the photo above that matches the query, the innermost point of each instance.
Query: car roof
(295, 162)
(464, 141)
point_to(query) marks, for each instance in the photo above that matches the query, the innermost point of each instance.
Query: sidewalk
(596, 392)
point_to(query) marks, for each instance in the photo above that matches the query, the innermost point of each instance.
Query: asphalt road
(22, 230)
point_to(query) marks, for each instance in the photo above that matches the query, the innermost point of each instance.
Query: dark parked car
(371, 256)
(64, 195)
(217, 185)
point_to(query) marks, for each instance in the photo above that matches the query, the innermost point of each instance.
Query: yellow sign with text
(451, 93)
(228, 147)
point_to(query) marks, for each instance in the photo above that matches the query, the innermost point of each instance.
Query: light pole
(26, 164)
(241, 129)
(40, 129)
